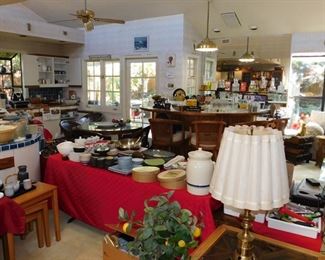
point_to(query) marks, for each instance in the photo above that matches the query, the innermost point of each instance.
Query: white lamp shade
(250, 171)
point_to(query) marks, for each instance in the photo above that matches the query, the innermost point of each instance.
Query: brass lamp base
(245, 238)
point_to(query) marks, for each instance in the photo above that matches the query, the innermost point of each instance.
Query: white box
(259, 215)
(295, 228)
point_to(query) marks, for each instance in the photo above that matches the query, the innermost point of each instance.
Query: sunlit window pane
(136, 69)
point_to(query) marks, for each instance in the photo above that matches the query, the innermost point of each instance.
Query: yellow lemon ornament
(125, 227)
(197, 232)
(181, 243)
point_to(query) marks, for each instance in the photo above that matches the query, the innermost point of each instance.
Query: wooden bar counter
(230, 118)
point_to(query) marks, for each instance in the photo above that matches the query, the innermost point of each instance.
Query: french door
(141, 86)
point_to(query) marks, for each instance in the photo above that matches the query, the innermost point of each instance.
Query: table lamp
(250, 174)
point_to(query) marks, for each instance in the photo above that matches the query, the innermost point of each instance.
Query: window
(191, 81)
(103, 83)
(10, 70)
(209, 70)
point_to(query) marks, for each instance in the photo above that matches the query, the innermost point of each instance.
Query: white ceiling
(273, 17)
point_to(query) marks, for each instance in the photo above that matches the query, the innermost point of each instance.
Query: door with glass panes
(141, 85)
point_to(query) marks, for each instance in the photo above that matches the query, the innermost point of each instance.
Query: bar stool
(320, 140)
(207, 135)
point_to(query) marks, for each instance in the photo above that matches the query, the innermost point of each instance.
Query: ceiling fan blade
(67, 20)
(107, 20)
(8, 2)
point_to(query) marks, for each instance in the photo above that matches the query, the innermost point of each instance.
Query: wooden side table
(297, 148)
(42, 192)
(320, 139)
(222, 243)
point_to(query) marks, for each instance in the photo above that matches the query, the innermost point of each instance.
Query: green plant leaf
(160, 228)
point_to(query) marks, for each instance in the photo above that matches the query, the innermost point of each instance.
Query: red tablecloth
(94, 195)
(12, 217)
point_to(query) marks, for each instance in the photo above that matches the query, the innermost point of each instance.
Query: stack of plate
(172, 179)
(145, 174)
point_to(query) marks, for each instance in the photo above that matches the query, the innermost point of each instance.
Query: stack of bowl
(145, 174)
(172, 179)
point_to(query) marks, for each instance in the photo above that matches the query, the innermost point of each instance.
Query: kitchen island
(230, 118)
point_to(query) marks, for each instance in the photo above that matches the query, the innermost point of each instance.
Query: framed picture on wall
(141, 43)
(171, 60)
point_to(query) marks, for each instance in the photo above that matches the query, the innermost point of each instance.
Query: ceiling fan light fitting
(89, 26)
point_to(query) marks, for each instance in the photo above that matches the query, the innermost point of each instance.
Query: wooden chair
(169, 134)
(207, 135)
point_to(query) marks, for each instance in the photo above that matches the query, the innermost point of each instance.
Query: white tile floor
(83, 242)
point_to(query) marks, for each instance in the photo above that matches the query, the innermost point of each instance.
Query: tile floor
(83, 242)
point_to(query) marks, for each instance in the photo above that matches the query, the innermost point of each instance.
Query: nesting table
(42, 192)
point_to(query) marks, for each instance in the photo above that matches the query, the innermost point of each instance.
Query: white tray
(295, 228)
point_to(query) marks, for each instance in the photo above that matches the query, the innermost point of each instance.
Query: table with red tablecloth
(94, 195)
(12, 221)
(12, 217)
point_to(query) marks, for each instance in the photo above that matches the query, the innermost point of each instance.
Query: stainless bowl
(129, 144)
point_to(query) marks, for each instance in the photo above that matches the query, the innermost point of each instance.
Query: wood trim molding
(6, 163)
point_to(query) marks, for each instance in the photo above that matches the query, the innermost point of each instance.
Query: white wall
(308, 42)
(165, 36)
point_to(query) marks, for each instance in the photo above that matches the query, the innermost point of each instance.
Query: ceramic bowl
(65, 148)
(79, 149)
(74, 157)
(84, 158)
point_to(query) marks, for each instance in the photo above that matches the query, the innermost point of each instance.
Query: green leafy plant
(166, 232)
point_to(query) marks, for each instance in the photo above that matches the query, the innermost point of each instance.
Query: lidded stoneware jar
(199, 171)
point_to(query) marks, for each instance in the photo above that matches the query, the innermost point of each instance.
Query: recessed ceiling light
(216, 30)
(253, 27)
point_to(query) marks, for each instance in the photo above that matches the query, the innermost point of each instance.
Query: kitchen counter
(231, 117)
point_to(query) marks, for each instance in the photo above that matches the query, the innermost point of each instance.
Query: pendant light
(247, 57)
(206, 45)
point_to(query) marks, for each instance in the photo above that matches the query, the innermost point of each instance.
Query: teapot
(199, 171)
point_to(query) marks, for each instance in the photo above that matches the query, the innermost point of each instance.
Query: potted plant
(166, 232)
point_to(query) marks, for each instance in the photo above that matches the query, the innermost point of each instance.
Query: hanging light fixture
(206, 45)
(247, 57)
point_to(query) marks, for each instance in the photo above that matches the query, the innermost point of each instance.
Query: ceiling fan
(88, 18)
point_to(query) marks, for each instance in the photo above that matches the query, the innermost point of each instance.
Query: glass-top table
(109, 128)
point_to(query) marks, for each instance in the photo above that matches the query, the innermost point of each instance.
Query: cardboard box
(295, 228)
(259, 215)
(111, 249)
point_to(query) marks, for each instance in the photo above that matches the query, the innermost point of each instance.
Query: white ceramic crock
(199, 171)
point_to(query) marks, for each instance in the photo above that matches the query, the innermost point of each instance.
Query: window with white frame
(103, 83)
(208, 70)
(191, 82)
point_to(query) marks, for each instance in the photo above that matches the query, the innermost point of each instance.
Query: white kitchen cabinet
(46, 71)
(30, 70)
(75, 69)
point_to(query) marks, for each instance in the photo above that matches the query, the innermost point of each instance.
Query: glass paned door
(307, 77)
(191, 81)
(142, 78)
